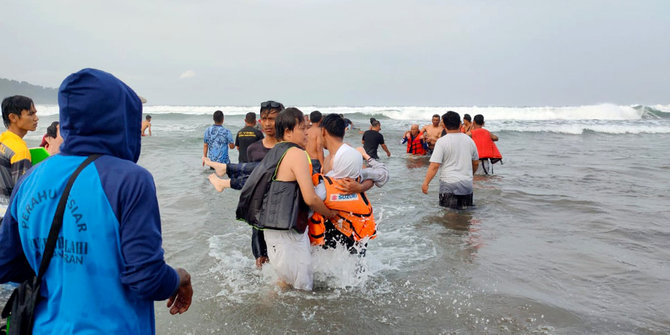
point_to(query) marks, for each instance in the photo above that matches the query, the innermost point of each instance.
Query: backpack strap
(57, 222)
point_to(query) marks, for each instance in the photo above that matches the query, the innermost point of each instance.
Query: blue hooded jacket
(108, 265)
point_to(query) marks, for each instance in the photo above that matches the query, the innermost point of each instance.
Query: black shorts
(455, 201)
(334, 238)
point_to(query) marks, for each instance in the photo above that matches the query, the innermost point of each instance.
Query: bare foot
(260, 261)
(219, 168)
(284, 286)
(218, 183)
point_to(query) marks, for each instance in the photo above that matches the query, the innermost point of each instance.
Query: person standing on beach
(217, 140)
(372, 139)
(20, 117)
(456, 155)
(108, 267)
(146, 125)
(314, 146)
(432, 132)
(246, 136)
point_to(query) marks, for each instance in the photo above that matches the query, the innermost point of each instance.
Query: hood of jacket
(99, 114)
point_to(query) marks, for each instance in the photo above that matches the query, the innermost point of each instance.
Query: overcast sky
(350, 53)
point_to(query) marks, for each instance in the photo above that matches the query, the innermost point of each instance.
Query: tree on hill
(39, 94)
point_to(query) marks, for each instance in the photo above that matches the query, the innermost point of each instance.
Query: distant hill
(40, 95)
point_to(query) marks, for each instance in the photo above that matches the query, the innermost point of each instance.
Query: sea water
(569, 236)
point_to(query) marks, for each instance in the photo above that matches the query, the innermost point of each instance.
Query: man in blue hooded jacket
(108, 266)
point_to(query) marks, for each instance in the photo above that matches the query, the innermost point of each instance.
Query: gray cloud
(327, 52)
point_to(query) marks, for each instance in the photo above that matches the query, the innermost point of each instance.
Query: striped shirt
(14, 162)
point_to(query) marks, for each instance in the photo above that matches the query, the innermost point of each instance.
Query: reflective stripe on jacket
(355, 217)
(415, 145)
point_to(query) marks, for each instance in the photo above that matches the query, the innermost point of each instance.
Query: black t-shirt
(245, 137)
(372, 140)
(256, 151)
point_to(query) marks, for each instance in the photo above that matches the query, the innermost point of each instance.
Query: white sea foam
(581, 127)
(662, 108)
(589, 112)
(46, 110)
(333, 269)
(603, 118)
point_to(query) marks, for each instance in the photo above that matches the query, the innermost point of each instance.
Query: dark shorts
(454, 201)
(239, 173)
(316, 166)
(334, 238)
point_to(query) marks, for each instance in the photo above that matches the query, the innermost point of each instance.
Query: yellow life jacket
(354, 218)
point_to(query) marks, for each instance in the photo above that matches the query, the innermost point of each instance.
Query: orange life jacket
(414, 145)
(354, 218)
(485, 146)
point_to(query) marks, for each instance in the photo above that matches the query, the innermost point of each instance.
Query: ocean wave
(653, 112)
(411, 113)
(586, 129)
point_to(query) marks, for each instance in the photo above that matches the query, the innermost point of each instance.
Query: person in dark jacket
(108, 267)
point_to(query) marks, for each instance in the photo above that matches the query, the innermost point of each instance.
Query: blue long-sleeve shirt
(108, 264)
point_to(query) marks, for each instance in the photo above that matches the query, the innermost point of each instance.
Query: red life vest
(485, 146)
(354, 217)
(415, 145)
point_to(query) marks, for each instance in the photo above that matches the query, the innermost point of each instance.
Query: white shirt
(455, 152)
(347, 162)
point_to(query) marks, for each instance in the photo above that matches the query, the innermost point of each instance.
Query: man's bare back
(146, 125)
(314, 145)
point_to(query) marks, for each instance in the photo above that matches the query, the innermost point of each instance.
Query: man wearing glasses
(239, 173)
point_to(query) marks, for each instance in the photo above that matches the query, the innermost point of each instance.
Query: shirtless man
(432, 132)
(314, 146)
(466, 127)
(146, 124)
